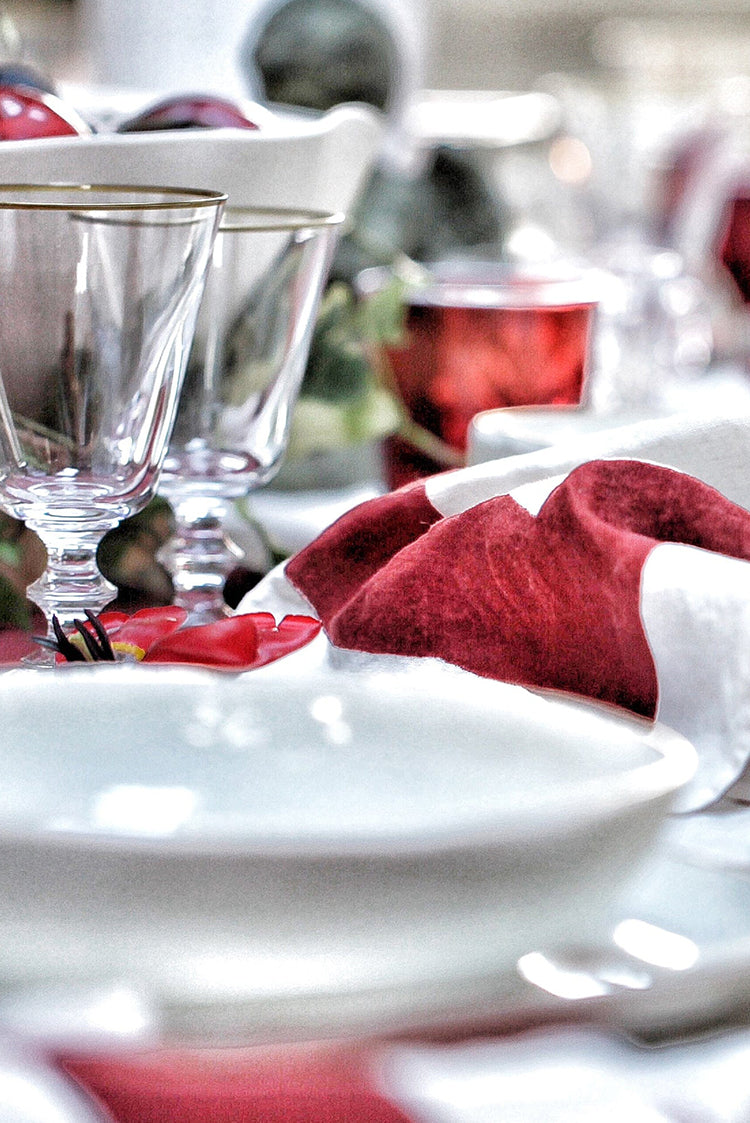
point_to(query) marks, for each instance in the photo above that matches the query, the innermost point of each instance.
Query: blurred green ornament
(320, 53)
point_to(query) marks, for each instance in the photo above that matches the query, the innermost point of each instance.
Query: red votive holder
(734, 239)
(481, 336)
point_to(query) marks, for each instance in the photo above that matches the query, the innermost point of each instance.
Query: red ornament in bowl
(28, 114)
(189, 111)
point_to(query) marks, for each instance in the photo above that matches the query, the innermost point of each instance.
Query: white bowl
(317, 162)
(327, 854)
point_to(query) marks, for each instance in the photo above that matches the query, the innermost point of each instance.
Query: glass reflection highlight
(656, 945)
(136, 809)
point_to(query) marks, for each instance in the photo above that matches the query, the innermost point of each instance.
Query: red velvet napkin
(550, 600)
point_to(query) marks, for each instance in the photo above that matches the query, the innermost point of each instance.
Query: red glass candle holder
(479, 337)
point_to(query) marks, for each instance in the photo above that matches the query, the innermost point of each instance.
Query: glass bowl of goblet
(100, 288)
(269, 267)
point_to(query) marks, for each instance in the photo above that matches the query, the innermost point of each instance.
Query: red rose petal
(227, 643)
(293, 632)
(237, 643)
(145, 627)
(112, 620)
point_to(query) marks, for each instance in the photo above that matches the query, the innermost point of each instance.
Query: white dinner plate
(676, 959)
(266, 856)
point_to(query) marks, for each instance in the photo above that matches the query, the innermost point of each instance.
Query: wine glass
(248, 358)
(100, 288)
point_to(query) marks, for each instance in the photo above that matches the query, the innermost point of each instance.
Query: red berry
(191, 111)
(26, 114)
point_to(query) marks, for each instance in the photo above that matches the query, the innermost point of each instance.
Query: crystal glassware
(247, 362)
(100, 288)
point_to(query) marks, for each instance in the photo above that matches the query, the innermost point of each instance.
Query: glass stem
(200, 557)
(72, 581)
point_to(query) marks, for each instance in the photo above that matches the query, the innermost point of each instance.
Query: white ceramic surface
(495, 433)
(293, 160)
(32, 1090)
(266, 857)
(484, 118)
(571, 1074)
(676, 959)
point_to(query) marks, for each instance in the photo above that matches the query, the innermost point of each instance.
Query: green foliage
(338, 368)
(10, 553)
(341, 366)
(343, 401)
(380, 319)
(14, 610)
(116, 542)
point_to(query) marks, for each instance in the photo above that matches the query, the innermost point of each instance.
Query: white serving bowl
(293, 160)
(323, 855)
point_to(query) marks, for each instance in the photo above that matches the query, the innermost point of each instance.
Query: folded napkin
(620, 579)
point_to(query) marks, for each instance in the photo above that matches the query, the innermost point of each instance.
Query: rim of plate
(581, 804)
(182, 197)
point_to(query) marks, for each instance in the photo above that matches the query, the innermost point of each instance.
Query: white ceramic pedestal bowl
(314, 162)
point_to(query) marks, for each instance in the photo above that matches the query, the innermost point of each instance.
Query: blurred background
(521, 131)
(500, 44)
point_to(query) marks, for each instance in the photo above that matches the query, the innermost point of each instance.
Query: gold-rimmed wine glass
(99, 288)
(249, 354)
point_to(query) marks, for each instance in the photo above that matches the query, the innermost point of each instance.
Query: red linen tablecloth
(290, 1084)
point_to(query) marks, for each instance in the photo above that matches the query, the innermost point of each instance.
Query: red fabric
(550, 601)
(15, 645)
(363, 540)
(289, 1084)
